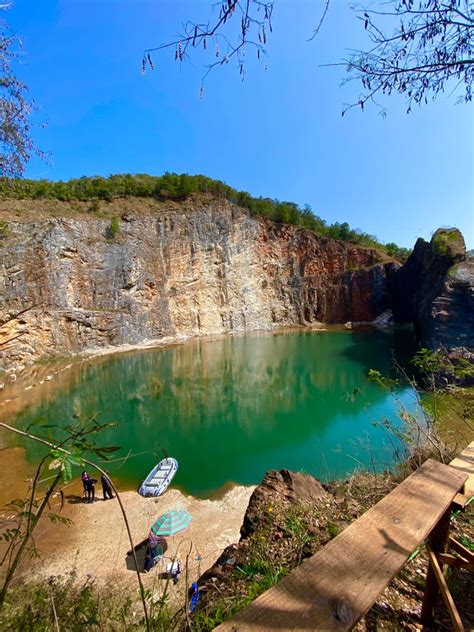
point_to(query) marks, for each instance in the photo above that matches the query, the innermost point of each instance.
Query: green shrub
(333, 529)
(4, 230)
(397, 252)
(447, 240)
(77, 606)
(114, 227)
(94, 207)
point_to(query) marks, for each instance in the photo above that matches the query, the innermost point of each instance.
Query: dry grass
(42, 209)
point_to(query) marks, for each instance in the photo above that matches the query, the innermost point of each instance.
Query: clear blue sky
(279, 133)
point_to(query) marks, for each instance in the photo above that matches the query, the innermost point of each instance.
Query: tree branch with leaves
(431, 45)
(16, 108)
(61, 457)
(254, 19)
(416, 47)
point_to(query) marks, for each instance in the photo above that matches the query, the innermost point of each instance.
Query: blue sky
(279, 133)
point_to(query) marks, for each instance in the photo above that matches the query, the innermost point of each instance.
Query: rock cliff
(435, 291)
(171, 270)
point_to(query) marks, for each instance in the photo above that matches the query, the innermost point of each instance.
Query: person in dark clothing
(151, 557)
(148, 560)
(84, 478)
(90, 487)
(106, 487)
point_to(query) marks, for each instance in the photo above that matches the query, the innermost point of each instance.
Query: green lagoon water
(230, 409)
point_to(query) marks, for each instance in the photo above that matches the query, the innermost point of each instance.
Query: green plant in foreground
(60, 458)
(466, 542)
(257, 576)
(295, 524)
(64, 603)
(333, 529)
(419, 434)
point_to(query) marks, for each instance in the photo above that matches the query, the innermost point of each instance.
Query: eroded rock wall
(435, 291)
(172, 272)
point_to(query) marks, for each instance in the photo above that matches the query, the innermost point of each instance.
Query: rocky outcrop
(172, 271)
(278, 487)
(281, 494)
(451, 324)
(435, 291)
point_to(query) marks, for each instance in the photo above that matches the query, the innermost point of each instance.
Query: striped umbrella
(169, 524)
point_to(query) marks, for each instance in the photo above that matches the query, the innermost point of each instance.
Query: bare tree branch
(254, 19)
(430, 42)
(323, 17)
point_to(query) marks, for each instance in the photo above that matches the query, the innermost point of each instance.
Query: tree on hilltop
(415, 49)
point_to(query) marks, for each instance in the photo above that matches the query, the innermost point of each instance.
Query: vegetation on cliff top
(448, 241)
(179, 187)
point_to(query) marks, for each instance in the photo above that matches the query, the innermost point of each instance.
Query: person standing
(84, 477)
(90, 487)
(106, 487)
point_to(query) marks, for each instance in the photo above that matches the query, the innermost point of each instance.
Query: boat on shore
(158, 480)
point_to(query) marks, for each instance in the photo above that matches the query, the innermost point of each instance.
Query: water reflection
(230, 409)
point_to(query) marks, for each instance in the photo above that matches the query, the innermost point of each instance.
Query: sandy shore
(96, 543)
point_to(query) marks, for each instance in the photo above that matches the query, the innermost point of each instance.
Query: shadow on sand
(76, 500)
(140, 552)
(130, 562)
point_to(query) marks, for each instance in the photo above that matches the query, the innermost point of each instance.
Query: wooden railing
(334, 588)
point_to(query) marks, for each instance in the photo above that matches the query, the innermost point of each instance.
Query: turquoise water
(230, 409)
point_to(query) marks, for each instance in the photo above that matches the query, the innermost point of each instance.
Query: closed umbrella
(169, 524)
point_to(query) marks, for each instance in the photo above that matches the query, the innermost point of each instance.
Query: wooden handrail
(334, 588)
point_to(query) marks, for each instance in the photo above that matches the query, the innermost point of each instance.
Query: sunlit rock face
(435, 291)
(170, 273)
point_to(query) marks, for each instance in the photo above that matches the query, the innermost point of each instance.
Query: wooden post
(438, 540)
(448, 600)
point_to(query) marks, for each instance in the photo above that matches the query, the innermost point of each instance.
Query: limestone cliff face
(172, 272)
(435, 291)
(452, 313)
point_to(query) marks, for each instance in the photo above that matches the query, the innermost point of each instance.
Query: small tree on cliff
(16, 144)
(415, 49)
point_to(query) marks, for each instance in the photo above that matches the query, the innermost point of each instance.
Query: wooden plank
(448, 600)
(464, 462)
(461, 500)
(457, 562)
(461, 550)
(334, 588)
